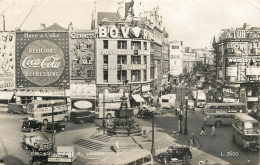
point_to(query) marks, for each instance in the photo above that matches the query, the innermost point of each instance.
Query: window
(145, 46)
(135, 59)
(152, 73)
(135, 75)
(121, 59)
(145, 59)
(121, 44)
(175, 47)
(105, 59)
(136, 45)
(121, 75)
(105, 74)
(105, 44)
(145, 75)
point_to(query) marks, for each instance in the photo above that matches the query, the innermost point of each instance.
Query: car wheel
(66, 118)
(234, 140)
(45, 121)
(108, 116)
(218, 124)
(37, 163)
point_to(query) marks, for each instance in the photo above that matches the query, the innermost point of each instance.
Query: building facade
(237, 64)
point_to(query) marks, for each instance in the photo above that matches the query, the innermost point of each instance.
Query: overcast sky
(193, 21)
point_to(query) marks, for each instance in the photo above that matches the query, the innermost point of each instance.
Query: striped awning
(138, 98)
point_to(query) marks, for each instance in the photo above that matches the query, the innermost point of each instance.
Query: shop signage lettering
(117, 51)
(133, 67)
(41, 35)
(127, 32)
(240, 60)
(47, 62)
(237, 46)
(233, 34)
(143, 52)
(82, 36)
(175, 57)
(255, 34)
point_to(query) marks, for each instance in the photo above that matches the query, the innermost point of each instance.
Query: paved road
(216, 149)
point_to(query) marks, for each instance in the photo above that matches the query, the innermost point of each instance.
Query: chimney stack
(42, 26)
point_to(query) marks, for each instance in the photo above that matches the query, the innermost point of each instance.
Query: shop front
(83, 95)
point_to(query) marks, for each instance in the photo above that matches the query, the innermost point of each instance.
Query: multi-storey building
(237, 65)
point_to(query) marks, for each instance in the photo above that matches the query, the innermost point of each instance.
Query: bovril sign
(127, 32)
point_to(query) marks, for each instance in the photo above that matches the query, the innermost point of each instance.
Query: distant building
(238, 64)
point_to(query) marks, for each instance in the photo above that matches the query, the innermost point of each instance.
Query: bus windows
(147, 159)
(139, 161)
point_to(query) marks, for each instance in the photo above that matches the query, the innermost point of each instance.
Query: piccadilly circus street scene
(129, 82)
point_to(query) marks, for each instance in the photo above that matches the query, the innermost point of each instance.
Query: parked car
(82, 116)
(31, 125)
(144, 113)
(57, 127)
(35, 142)
(174, 155)
(160, 111)
(17, 108)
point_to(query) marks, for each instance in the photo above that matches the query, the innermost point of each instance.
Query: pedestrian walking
(213, 130)
(117, 146)
(202, 131)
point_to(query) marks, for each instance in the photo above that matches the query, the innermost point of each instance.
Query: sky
(194, 22)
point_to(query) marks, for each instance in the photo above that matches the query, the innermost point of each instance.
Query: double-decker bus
(112, 102)
(246, 132)
(41, 110)
(222, 113)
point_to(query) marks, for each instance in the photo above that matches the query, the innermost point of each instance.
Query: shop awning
(138, 98)
(6, 95)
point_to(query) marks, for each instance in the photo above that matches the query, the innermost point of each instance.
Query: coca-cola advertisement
(42, 59)
(7, 60)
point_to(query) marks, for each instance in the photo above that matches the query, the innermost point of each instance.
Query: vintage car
(160, 111)
(144, 113)
(31, 125)
(35, 142)
(57, 127)
(174, 155)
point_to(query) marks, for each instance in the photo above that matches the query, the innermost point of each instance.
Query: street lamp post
(104, 99)
(186, 118)
(153, 149)
(53, 136)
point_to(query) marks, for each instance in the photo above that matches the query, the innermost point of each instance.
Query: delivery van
(17, 108)
(168, 101)
(201, 98)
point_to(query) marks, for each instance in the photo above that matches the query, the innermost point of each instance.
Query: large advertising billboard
(42, 59)
(82, 54)
(7, 60)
